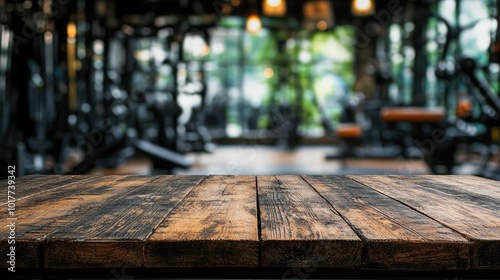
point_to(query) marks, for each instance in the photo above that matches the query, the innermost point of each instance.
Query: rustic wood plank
(38, 216)
(112, 235)
(138, 221)
(477, 222)
(396, 236)
(37, 178)
(446, 186)
(214, 226)
(472, 185)
(31, 185)
(300, 229)
(37, 211)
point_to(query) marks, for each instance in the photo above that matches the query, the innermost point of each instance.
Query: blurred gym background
(250, 87)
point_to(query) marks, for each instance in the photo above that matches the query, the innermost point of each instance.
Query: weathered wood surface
(114, 232)
(36, 184)
(396, 236)
(472, 213)
(300, 228)
(381, 222)
(41, 213)
(215, 225)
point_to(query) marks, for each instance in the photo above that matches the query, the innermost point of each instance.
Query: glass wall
(251, 78)
(473, 27)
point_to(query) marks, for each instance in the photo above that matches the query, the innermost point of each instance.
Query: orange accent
(349, 131)
(71, 29)
(412, 114)
(495, 133)
(464, 108)
(496, 48)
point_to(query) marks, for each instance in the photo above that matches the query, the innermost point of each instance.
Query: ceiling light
(254, 24)
(362, 7)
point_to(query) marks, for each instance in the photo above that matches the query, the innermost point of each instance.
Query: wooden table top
(368, 222)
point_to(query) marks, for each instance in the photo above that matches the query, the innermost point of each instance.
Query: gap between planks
(258, 209)
(482, 248)
(396, 237)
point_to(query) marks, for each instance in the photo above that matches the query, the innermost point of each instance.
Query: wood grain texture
(476, 187)
(300, 229)
(31, 185)
(215, 225)
(477, 220)
(368, 222)
(27, 251)
(39, 215)
(113, 234)
(396, 237)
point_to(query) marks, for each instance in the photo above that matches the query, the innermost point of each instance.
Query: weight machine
(472, 126)
(74, 103)
(143, 117)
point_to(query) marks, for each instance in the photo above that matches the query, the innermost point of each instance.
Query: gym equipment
(362, 133)
(415, 128)
(12, 153)
(6, 41)
(482, 131)
(92, 88)
(473, 130)
(192, 85)
(27, 100)
(78, 113)
(132, 99)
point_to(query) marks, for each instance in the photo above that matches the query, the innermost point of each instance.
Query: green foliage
(292, 67)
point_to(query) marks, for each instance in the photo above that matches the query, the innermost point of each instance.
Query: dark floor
(260, 160)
